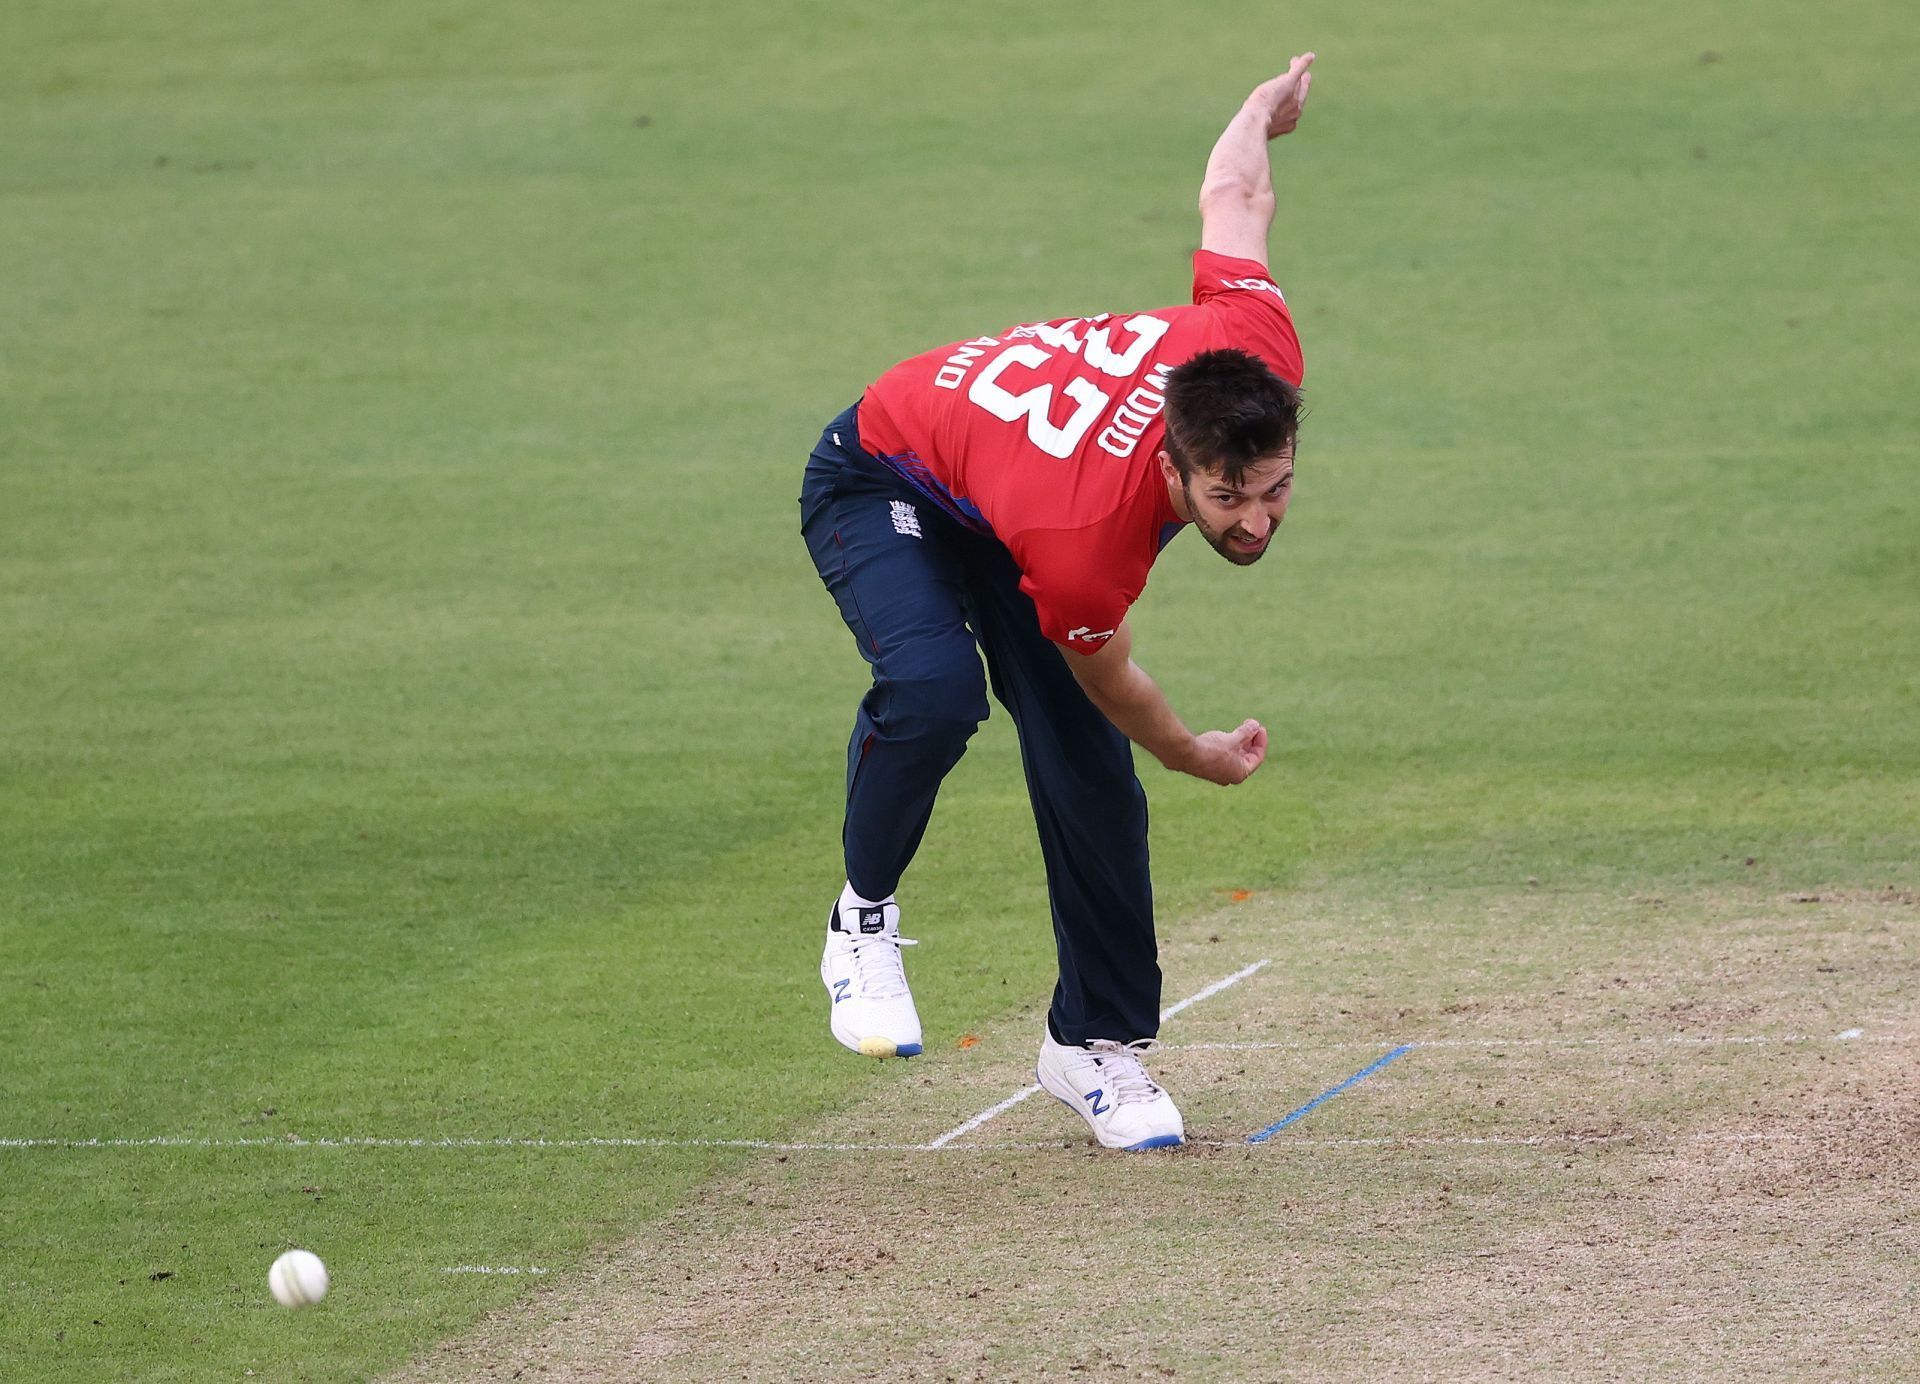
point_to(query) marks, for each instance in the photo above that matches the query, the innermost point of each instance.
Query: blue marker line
(1326, 1096)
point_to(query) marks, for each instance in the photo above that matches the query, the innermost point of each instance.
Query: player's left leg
(882, 556)
(1092, 817)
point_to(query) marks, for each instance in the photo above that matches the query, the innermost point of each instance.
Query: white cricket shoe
(872, 1009)
(1107, 1087)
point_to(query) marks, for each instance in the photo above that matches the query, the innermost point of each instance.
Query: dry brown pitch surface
(1671, 1136)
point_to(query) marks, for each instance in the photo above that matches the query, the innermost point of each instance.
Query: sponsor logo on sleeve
(1092, 638)
(1256, 286)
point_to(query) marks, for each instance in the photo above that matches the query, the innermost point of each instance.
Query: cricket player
(1006, 497)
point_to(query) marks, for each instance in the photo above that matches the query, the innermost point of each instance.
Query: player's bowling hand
(1229, 756)
(1285, 97)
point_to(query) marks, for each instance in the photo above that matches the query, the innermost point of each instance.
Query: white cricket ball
(298, 1278)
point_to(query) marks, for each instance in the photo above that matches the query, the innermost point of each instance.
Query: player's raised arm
(1236, 196)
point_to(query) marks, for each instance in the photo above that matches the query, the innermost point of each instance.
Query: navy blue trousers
(925, 597)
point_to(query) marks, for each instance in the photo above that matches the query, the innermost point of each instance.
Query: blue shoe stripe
(907, 1050)
(1158, 1141)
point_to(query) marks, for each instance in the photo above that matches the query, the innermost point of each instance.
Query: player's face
(1239, 520)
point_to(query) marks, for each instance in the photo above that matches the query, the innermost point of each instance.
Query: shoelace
(877, 972)
(1127, 1080)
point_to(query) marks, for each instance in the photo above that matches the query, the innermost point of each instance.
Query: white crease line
(356, 1142)
(174, 1141)
(992, 1111)
(1297, 1141)
(506, 1269)
(1210, 991)
(1682, 1039)
(989, 1113)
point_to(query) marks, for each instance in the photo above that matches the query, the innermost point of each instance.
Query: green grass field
(421, 720)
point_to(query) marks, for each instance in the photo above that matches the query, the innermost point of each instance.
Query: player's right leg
(882, 553)
(1092, 817)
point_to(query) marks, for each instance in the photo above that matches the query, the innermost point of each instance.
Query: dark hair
(1225, 411)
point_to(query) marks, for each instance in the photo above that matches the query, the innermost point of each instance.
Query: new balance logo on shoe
(1103, 1082)
(906, 520)
(871, 1008)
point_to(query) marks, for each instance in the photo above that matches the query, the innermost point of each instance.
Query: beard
(1221, 539)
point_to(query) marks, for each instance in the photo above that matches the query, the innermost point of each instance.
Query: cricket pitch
(1672, 1136)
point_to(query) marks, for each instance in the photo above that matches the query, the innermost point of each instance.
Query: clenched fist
(1228, 756)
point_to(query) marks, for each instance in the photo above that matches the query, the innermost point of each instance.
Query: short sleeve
(1080, 606)
(1250, 308)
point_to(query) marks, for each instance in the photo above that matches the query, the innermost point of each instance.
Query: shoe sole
(877, 1047)
(883, 1047)
(1158, 1141)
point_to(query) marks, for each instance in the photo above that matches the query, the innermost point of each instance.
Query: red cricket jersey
(1045, 436)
